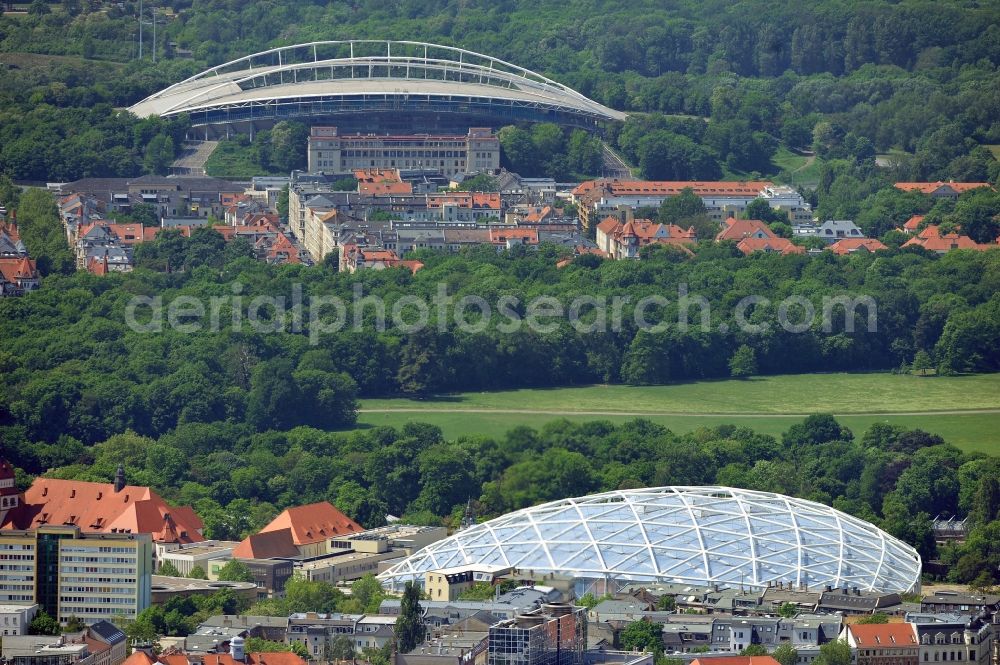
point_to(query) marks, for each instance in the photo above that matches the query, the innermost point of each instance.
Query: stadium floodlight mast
(691, 535)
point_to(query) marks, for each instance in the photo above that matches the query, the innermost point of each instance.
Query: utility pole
(154, 34)
(140, 29)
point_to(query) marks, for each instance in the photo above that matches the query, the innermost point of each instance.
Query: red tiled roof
(128, 234)
(738, 229)
(256, 658)
(413, 266)
(98, 266)
(734, 660)
(780, 245)
(266, 546)
(465, 199)
(314, 522)
(95, 646)
(173, 659)
(846, 246)
(671, 188)
(385, 188)
(913, 223)
(883, 636)
(10, 228)
(608, 225)
(930, 238)
(15, 269)
(139, 658)
(931, 187)
(503, 234)
(536, 215)
(97, 507)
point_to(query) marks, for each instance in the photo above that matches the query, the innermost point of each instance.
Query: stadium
(372, 86)
(693, 535)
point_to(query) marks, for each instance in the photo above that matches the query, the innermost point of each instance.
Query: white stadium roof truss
(694, 535)
(334, 68)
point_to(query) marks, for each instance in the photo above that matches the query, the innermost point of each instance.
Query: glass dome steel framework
(694, 535)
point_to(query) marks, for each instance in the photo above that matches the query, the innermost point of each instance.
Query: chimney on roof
(236, 649)
(120, 478)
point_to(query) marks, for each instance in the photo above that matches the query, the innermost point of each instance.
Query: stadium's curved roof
(339, 77)
(693, 535)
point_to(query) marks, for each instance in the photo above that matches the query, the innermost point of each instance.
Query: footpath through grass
(957, 408)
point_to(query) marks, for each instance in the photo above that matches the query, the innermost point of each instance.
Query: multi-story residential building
(957, 602)
(374, 631)
(853, 600)
(333, 152)
(596, 199)
(316, 631)
(953, 638)
(465, 647)
(555, 634)
(92, 576)
(18, 276)
(184, 196)
(622, 239)
(883, 644)
(507, 606)
(18, 272)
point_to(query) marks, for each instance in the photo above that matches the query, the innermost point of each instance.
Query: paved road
(193, 157)
(546, 412)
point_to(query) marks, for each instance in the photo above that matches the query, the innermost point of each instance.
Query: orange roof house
(931, 239)
(255, 658)
(104, 508)
(738, 229)
(623, 240)
(313, 523)
(505, 236)
(912, 225)
(882, 636)
(139, 658)
(782, 246)
(354, 257)
(298, 530)
(614, 187)
(128, 234)
(382, 182)
(846, 246)
(940, 189)
(269, 545)
(412, 265)
(734, 660)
